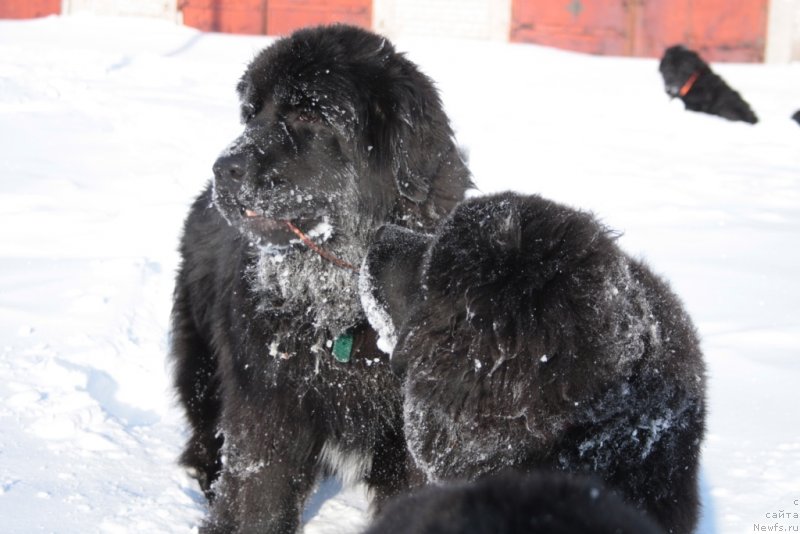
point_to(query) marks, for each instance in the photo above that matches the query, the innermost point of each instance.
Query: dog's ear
(412, 177)
(418, 135)
(409, 140)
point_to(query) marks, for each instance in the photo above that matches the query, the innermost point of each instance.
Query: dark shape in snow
(796, 117)
(512, 503)
(528, 339)
(688, 77)
(341, 134)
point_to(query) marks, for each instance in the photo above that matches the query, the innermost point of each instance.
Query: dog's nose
(231, 166)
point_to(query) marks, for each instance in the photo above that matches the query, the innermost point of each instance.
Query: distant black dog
(542, 503)
(796, 117)
(527, 338)
(274, 361)
(689, 78)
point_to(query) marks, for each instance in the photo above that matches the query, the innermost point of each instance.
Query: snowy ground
(108, 127)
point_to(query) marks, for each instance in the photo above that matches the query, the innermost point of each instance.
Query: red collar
(689, 84)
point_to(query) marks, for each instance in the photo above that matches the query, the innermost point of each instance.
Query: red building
(719, 29)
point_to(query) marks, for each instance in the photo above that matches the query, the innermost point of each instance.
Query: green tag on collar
(342, 348)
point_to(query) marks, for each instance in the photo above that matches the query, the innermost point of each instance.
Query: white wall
(478, 19)
(783, 31)
(167, 9)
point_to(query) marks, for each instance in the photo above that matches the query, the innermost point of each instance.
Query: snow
(375, 311)
(110, 127)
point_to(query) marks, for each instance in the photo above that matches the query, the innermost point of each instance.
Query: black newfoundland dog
(511, 503)
(275, 363)
(689, 78)
(528, 339)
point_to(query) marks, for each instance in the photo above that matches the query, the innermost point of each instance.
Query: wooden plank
(228, 16)
(721, 30)
(593, 26)
(285, 16)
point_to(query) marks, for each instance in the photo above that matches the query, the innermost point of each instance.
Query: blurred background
(720, 30)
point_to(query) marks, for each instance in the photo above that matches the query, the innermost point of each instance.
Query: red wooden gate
(26, 9)
(273, 17)
(229, 16)
(719, 29)
(284, 16)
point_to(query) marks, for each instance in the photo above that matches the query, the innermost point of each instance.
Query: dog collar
(689, 84)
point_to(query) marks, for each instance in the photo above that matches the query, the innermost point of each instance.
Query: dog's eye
(307, 116)
(248, 113)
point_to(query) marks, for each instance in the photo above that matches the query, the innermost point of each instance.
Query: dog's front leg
(264, 484)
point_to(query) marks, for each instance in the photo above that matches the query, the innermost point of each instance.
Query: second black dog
(688, 77)
(528, 339)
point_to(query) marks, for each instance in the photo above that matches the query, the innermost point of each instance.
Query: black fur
(509, 503)
(796, 117)
(527, 338)
(708, 93)
(341, 134)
